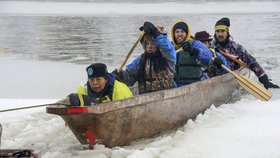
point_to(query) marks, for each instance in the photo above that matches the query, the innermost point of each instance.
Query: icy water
(84, 39)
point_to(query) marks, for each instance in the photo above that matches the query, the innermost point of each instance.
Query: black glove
(267, 84)
(75, 100)
(194, 52)
(150, 29)
(188, 48)
(217, 50)
(218, 62)
(118, 75)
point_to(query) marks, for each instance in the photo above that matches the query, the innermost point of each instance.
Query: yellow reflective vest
(120, 91)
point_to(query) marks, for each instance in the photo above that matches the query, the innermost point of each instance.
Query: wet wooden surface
(120, 122)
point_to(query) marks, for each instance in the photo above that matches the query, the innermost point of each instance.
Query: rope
(35, 106)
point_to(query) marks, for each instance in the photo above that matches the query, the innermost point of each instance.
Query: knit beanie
(223, 24)
(97, 70)
(180, 25)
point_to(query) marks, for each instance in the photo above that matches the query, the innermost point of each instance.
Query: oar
(251, 86)
(131, 50)
(241, 63)
(35, 106)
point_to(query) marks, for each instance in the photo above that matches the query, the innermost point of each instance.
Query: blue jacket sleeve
(225, 61)
(130, 74)
(134, 63)
(204, 53)
(166, 47)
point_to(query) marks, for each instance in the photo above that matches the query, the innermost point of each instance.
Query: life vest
(187, 68)
(154, 73)
(117, 92)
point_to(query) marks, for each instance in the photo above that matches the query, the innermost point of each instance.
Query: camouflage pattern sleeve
(250, 61)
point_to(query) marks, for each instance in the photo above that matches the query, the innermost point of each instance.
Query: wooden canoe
(119, 122)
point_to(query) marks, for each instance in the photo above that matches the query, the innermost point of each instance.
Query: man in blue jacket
(214, 68)
(194, 56)
(154, 69)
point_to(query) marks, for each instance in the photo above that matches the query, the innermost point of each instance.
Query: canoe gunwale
(129, 102)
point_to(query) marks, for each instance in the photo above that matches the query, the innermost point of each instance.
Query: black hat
(203, 36)
(97, 70)
(222, 24)
(180, 25)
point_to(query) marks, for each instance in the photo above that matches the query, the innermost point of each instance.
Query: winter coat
(189, 69)
(235, 49)
(113, 90)
(153, 72)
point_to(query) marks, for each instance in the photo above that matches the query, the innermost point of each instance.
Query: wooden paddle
(241, 63)
(248, 84)
(131, 50)
(251, 86)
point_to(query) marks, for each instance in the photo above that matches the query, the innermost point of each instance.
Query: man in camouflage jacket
(222, 42)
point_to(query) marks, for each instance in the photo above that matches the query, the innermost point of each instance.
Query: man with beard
(222, 42)
(154, 69)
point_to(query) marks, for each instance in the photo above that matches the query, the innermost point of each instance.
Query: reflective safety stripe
(82, 103)
(77, 110)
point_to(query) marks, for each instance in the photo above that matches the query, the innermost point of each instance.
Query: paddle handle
(131, 50)
(241, 63)
(179, 50)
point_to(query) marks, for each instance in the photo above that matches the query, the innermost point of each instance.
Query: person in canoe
(192, 58)
(100, 87)
(223, 42)
(154, 69)
(214, 68)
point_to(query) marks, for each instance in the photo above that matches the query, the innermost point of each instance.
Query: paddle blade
(254, 88)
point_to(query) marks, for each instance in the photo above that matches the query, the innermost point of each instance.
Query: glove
(194, 52)
(217, 50)
(118, 75)
(218, 62)
(186, 46)
(75, 100)
(267, 84)
(150, 29)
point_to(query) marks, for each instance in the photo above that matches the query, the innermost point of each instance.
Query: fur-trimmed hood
(175, 26)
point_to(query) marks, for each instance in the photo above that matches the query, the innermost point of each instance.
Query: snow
(246, 128)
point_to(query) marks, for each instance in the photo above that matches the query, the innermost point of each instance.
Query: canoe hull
(120, 122)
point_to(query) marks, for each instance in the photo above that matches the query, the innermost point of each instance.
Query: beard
(221, 40)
